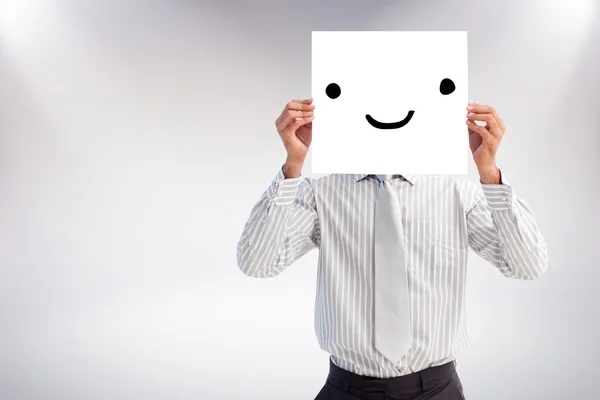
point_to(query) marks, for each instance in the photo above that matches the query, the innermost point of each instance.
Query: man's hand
(295, 129)
(484, 140)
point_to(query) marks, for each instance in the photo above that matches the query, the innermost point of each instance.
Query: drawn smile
(389, 125)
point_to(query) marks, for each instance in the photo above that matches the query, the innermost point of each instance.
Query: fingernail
(469, 108)
(471, 102)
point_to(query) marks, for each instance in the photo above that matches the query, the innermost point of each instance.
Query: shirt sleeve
(282, 227)
(502, 230)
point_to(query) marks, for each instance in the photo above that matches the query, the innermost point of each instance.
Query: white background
(136, 136)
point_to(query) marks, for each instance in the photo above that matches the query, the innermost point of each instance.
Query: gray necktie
(392, 318)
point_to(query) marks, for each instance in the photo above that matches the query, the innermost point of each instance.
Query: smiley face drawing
(333, 91)
(389, 102)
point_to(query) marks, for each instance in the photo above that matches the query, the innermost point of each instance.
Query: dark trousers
(434, 383)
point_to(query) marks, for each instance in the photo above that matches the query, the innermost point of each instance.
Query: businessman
(392, 258)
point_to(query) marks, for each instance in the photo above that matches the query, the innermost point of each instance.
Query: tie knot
(384, 178)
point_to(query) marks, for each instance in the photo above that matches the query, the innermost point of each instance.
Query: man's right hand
(295, 129)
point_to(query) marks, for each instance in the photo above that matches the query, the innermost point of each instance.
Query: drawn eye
(447, 86)
(333, 90)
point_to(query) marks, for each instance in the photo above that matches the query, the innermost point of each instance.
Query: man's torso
(433, 217)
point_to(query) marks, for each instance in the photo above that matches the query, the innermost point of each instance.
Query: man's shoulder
(455, 179)
(462, 185)
(333, 179)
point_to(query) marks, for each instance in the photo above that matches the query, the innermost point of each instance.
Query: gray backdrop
(136, 136)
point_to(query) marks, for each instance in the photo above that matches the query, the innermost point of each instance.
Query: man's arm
(283, 226)
(502, 230)
(500, 225)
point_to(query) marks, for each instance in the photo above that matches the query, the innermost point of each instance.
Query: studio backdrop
(135, 137)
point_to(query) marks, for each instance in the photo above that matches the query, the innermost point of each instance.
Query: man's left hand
(484, 140)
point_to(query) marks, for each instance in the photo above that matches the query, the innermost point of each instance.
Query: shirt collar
(410, 178)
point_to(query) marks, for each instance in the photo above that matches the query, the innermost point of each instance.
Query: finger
(297, 123)
(480, 108)
(485, 109)
(304, 101)
(289, 115)
(299, 105)
(489, 119)
(299, 114)
(481, 130)
(500, 122)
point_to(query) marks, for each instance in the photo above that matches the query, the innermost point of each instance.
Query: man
(441, 217)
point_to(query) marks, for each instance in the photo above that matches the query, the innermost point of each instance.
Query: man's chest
(432, 215)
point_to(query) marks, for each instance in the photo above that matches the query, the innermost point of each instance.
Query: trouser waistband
(420, 378)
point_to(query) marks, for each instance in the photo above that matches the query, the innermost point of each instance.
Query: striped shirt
(442, 217)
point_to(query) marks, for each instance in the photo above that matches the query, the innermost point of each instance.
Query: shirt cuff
(499, 197)
(282, 191)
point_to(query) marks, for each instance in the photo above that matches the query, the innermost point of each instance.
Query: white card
(389, 102)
